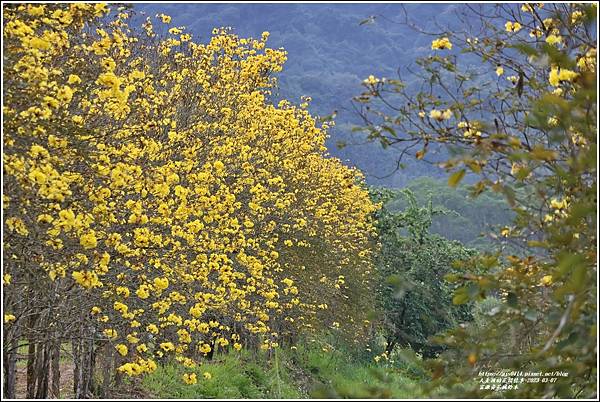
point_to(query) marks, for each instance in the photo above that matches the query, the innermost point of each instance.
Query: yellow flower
(74, 79)
(8, 318)
(553, 39)
(123, 291)
(165, 18)
(17, 225)
(100, 9)
(65, 94)
(440, 115)
(371, 80)
(161, 283)
(499, 71)
(567, 75)
(6, 279)
(122, 349)
(36, 11)
(86, 279)
(512, 26)
(219, 165)
(553, 77)
(207, 375)
(222, 342)
(204, 348)
(576, 16)
(440, 44)
(536, 33)
(153, 329)
(556, 204)
(552, 121)
(167, 346)
(131, 369)
(588, 61)
(527, 8)
(109, 80)
(38, 150)
(120, 307)
(143, 292)
(39, 43)
(110, 333)
(88, 240)
(190, 378)
(547, 280)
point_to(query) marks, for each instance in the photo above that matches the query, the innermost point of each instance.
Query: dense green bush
(414, 299)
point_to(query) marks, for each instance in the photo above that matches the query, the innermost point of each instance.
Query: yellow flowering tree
(158, 204)
(513, 100)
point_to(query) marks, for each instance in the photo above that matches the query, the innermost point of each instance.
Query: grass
(304, 372)
(234, 375)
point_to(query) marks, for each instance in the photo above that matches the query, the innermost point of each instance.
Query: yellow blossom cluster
(441, 44)
(512, 26)
(440, 115)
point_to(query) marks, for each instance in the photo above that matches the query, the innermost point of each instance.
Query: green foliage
(469, 220)
(415, 300)
(517, 110)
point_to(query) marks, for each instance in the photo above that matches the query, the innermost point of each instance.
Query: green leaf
(569, 262)
(525, 49)
(456, 177)
(461, 296)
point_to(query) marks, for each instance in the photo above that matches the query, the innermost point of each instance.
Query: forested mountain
(331, 49)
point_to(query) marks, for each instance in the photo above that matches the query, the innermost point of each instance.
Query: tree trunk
(10, 369)
(31, 355)
(42, 371)
(76, 366)
(55, 369)
(84, 357)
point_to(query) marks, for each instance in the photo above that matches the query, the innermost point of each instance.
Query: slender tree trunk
(10, 369)
(55, 369)
(31, 363)
(76, 366)
(42, 371)
(84, 357)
